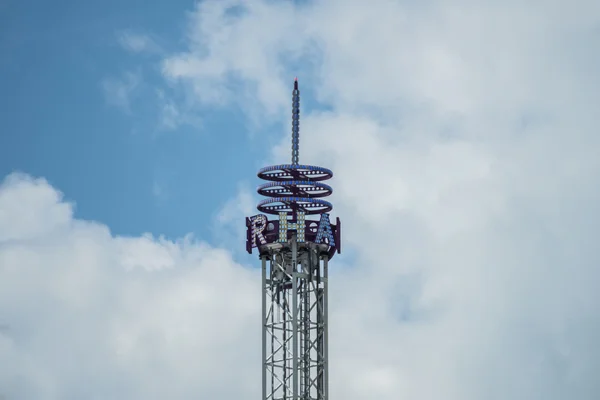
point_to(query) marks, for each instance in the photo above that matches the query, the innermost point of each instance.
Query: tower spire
(295, 123)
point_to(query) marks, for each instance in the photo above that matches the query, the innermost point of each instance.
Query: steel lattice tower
(294, 251)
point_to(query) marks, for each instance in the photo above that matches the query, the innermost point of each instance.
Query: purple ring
(308, 205)
(295, 188)
(285, 172)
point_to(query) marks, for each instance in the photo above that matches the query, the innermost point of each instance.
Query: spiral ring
(286, 204)
(290, 188)
(294, 188)
(280, 173)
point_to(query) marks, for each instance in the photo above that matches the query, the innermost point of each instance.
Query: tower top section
(294, 187)
(294, 190)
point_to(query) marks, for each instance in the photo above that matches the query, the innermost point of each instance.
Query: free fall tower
(294, 247)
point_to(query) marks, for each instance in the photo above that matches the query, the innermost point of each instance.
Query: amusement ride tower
(294, 250)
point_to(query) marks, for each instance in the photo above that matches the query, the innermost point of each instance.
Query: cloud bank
(463, 140)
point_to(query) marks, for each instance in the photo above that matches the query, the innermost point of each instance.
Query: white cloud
(137, 43)
(170, 115)
(227, 54)
(463, 138)
(229, 226)
(158, 190)
(95, 316)
(119, 92)
(174, 114)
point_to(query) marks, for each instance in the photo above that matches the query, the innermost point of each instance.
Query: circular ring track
(294, 188)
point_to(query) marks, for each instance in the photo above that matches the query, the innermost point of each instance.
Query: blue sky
(469, 251)
(113, 159)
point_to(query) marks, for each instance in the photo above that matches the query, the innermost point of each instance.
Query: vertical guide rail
(295, 317)
(264, 326)
(326, 328)
(306, 294)
(284, 332)
(272, 311)
(320, 329)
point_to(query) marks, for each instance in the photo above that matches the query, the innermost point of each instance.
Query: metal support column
(264, 325)
(295, 324)
(325, 328)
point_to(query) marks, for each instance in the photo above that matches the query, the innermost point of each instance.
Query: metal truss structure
(294, 282)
